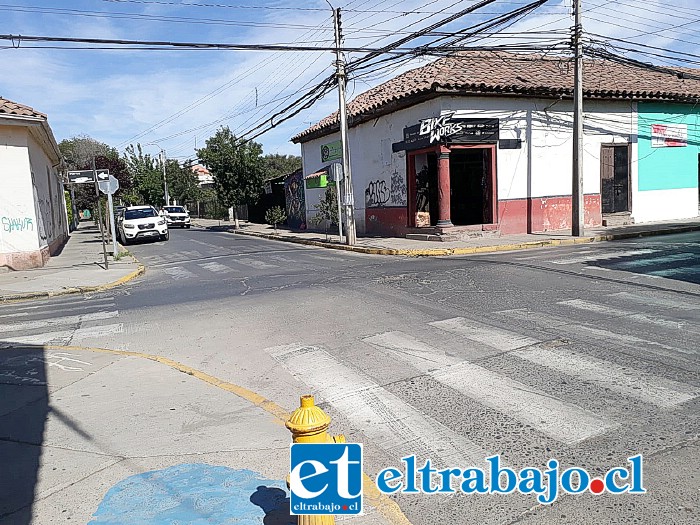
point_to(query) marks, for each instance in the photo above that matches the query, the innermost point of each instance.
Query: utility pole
(99, 213)
(577, 206)
(165, 179)
(348, 198)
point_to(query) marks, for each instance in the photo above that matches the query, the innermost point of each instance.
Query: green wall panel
(667, 168)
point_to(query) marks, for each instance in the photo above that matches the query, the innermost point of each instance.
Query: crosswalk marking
(570, 327)
(217, 267)
(627, 340)
(588, 306)
(488, 335)
(59, 305)
(663, 393)
(603, 256)
(392, 424)
(178, 272)
(70, 319)
(254, 263)
(561, 421)
(674, 258)
(281, 258)
(675, 303)
(63, 336)
(546, 320)
(673, 272)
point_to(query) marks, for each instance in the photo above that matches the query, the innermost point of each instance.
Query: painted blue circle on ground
(195, 494)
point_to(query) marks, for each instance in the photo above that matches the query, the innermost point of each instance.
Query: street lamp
(165, 178)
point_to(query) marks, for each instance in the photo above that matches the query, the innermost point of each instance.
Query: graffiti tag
(17, 224)
(398, 190)
(376, 194)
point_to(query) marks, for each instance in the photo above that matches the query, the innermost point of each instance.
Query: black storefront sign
(448, 130)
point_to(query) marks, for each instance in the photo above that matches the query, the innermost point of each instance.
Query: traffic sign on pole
(108, 185)
(85, 176)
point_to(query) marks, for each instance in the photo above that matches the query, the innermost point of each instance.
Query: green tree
(276, 165)
(275, 215)
(79, 152)
(147, 176)
(327, 210)
(183, 184)
(237, 168)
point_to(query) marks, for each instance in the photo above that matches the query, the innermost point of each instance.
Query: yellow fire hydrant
(309, 424)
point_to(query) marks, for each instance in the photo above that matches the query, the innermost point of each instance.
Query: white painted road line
(607, 336)
(415, 352)
(217, 267)
(658, 391)
(254, 263)
(56, 321)
(677, 257)
(498, 338)
(178, 272)
(393, 425)
(675, 303)
(603, 256)
(675, 272)
(610, 311)
(561, 421)
(59, 305)
(65, 336)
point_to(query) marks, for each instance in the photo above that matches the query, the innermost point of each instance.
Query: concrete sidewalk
(409, 247)
(98, 436)
(79, 267)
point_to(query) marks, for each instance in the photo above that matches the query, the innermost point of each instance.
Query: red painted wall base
(541, 214)
(386, 222)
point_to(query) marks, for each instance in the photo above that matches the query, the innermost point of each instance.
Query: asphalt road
(588, 354)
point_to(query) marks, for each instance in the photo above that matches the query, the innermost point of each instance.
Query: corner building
(482, 142)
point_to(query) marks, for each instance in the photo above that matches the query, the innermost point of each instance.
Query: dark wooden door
(615, 180)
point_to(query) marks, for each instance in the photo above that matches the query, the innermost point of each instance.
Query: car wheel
(165, 237)
(125, 241)
(187, 226)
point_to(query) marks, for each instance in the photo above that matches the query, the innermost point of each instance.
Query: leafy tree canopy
(236, 166)
(183, 183)
(280, 165)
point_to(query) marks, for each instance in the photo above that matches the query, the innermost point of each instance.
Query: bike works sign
(446, 129)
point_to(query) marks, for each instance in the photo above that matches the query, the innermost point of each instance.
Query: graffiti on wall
(399, 192)
(17, 224)
(378, 194)
(294, 198)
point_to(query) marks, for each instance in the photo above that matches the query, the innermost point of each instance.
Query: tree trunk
(236, 224)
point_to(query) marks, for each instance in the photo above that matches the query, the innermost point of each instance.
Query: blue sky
(177, 99)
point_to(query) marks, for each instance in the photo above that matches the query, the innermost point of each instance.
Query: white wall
(18, 219)
(48, 192)
(540, 168)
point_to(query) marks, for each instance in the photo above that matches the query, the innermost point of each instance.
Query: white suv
(142, 222)
(176, 216)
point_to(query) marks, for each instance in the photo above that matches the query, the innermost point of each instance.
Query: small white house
(33, 218)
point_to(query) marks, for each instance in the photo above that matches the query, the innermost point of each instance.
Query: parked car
(176, 216)
(141, 222)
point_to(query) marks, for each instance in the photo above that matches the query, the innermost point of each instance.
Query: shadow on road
(24, 408)
(275, 503)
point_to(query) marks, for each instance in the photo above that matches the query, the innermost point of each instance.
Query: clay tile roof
(7, 107)
(510, 74)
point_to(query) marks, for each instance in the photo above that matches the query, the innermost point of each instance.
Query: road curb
(77, 289)
(384, 505)
(443, 252)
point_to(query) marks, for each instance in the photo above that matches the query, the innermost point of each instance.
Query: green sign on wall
(332, 151)
(317, 182)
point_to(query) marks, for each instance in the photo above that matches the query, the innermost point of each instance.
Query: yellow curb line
(75, 290)
(387, 507)
(442, 252)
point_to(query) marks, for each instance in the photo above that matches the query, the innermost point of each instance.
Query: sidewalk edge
(140, 270)
(441, 252)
